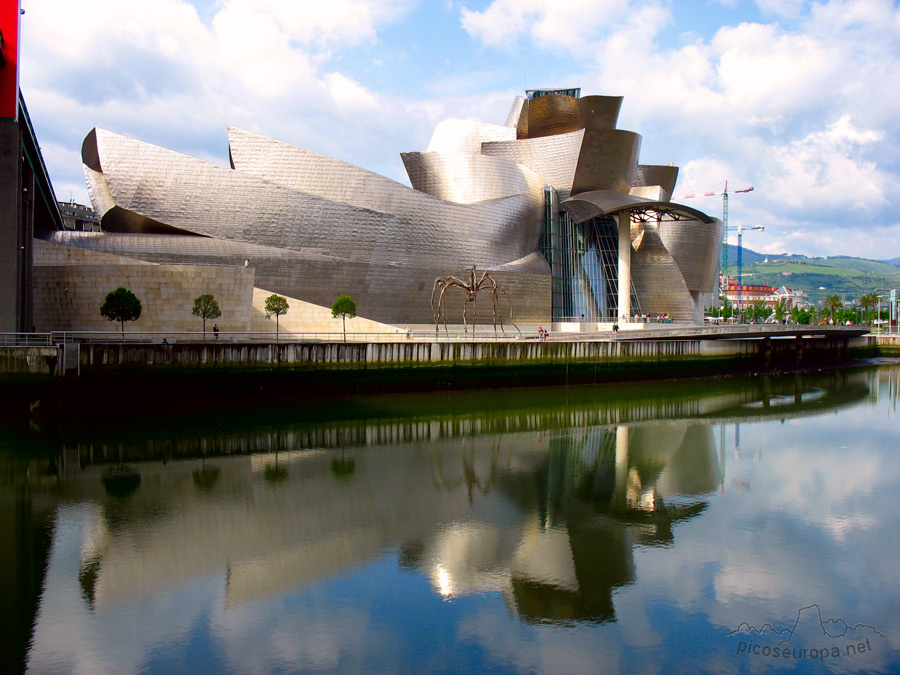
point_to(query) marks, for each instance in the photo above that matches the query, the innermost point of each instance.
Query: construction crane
(725, 194)
(740, 232)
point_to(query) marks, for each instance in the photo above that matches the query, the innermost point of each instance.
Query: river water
(721, 526)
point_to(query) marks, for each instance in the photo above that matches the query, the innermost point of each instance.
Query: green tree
(276, 306)
(832, 303)
(121, 305)
(206, 307)
(801, 316)
(727, 310)
(345, 308)
(758, 311)
(722, 312)
(867, 302)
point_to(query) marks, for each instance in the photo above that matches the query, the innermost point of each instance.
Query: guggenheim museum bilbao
(554, 204)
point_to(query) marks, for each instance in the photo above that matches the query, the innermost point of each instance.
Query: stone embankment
(888, 345)
(573, 358)
(73, 376)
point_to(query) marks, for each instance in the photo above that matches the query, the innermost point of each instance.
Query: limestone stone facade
(305, 317)
(71, 284)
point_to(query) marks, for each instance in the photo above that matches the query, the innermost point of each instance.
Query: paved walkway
(724, 332)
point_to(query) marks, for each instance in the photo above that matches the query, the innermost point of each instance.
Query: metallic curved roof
(599, 112)
(587, 205)
(313, 224)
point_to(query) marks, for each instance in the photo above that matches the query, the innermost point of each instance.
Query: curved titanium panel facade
(467, 136)
(97, 191)
(89, 156)
(695, 247)
(308, 171)
(522, 125)
(314, 227)
(466, 179)
(553, 158)
(599, 112)
(657, 279)
(650, 174)
(515, 112)
(552, 115)
(607, 161)
(376, 257)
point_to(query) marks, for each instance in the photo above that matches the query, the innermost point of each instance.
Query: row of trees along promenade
(830, 309)
(122, 305)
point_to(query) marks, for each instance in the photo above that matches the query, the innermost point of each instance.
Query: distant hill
(751, 256)
(817, 277)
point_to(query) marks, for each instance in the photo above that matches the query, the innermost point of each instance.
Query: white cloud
(801, 109)
(783, 8)
(349, 95)
(157, 71)
(824, 171)
(551, 24)
(322, 23)
(766, 74)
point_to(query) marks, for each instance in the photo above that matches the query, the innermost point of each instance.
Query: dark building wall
(16, 231)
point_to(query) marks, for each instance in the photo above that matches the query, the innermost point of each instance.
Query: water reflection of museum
(549, 519)
(577, 512)
(548, 515)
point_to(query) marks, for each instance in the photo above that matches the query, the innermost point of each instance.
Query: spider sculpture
(471, 290)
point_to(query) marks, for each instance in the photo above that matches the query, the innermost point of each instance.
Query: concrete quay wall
(32, 360)
(180, 378)
(215, 355)
(888, 345)
(548, 362)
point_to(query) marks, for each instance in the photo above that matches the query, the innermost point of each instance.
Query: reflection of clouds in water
(107, 638)
(820, 525)
(807, 475)
(528, 648)
(259, 638)
(636, 630)
(547, 531)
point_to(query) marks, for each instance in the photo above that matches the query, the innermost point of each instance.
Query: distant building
(753, 293)
(78, 217)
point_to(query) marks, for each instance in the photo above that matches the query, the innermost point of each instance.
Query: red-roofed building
(753, 293)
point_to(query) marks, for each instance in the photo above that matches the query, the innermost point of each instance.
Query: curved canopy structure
(599, 203)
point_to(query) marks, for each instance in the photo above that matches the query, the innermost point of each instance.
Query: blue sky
(798, 99)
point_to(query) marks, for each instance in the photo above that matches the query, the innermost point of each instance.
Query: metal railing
(232, 337)
(528, 333)
(25, 340)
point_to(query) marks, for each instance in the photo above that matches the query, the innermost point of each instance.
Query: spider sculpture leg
(510, 309)
(450, 282)
(482, 283)
(441, 306)
(438, 283)
(495, 301)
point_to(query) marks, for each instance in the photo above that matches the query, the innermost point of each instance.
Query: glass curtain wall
(584, 263)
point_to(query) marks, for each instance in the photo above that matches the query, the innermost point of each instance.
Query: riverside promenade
(75, 370)
(66, 354)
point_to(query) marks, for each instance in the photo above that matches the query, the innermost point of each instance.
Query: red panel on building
(9, 64)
